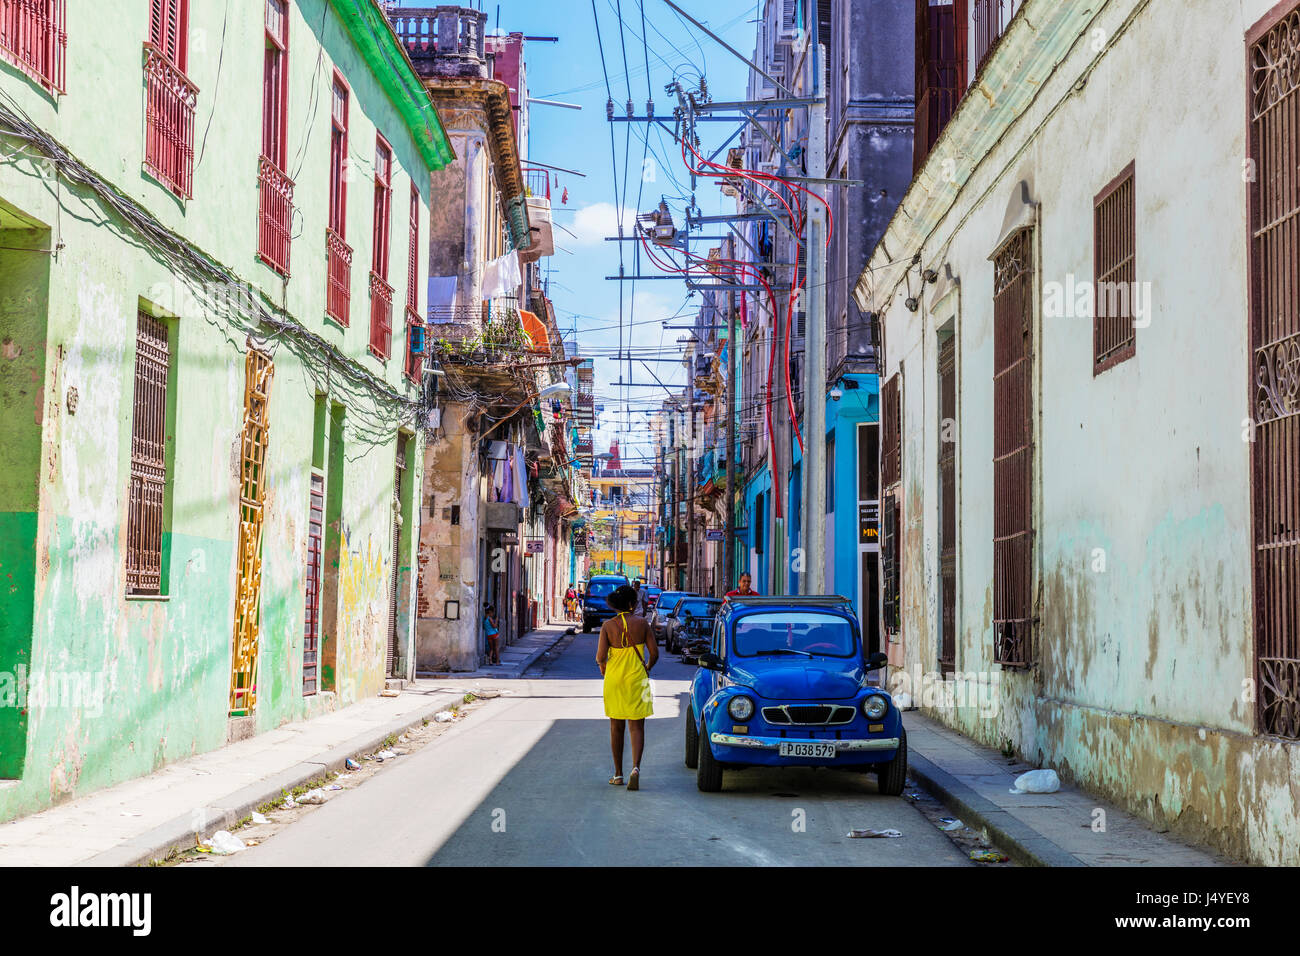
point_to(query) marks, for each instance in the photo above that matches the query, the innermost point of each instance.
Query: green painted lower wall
(17, 580)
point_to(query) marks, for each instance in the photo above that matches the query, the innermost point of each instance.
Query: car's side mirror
(877, 661)
(710, 661)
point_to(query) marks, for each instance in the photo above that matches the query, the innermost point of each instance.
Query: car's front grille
(809, 714)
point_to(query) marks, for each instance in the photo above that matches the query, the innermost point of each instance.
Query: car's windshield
(797, 632)
(601, 588)
(667, 601)
(696, 607)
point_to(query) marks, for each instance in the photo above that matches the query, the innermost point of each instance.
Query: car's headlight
(875, 707)
(740, 708)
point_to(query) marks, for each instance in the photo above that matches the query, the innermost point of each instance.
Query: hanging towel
(521, 482)
(442, 298)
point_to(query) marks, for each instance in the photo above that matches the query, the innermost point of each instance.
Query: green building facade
(196, 461)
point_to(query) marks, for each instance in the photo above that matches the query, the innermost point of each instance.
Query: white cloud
(591, 224)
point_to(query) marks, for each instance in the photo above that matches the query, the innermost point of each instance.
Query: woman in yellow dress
(628, 698)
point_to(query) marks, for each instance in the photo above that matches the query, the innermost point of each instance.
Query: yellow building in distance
(620, 524)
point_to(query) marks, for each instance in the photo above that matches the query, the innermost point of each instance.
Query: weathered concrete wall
(148, 678)
(1142, 579)
(448, 553)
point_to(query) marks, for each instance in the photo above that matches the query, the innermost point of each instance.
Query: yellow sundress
(627, 683)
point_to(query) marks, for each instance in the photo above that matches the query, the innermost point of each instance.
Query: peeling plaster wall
(1142, 583)
(448, 554)
(147, 680)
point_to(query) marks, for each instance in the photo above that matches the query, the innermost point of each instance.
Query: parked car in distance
(595, 610)
(784, 684)
(691, 626)
(667, 601)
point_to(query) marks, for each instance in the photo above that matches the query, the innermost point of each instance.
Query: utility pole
(729, 554)
(814, 483)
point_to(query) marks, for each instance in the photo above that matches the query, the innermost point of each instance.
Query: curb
(1018, 839)
(179, 833)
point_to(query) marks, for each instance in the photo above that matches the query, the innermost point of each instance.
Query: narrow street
(522, 781)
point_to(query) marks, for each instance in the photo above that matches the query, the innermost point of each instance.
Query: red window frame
(381, 293)
(381, 234)
(169, 28)
(339, 102)
(414, 362)
(338, 254)
(275, 205)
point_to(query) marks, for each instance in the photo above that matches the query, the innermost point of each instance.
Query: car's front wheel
(892, 776)
(708, 775)
(692, 740)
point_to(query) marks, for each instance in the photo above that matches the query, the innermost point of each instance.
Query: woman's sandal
(616, 780)
(634, 779)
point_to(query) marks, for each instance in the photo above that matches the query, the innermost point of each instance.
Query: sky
(570, 70)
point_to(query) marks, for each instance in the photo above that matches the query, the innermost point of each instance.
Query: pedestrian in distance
(570, 601)
(743, 589)
(493, 633)
(639, 611)
(629, 699)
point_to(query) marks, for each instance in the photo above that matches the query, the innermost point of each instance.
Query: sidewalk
(143, 819)
(516, 658)
(1035, 829)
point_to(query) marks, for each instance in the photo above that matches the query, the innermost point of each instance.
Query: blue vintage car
(785, 685)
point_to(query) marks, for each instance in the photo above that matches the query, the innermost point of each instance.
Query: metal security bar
(311, 617)
(1013, 533)
(258, 372)
(1274, 134)
(338, 281)
(170, 99)
(1114, 256)
(145, 507)
(32, 37)
(381, 317)
(275, 215)
(948, 504)
(988, 20)
(891, 433)
(940, 70)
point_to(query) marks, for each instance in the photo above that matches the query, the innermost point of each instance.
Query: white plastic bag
(224, 843)
(1038, 781)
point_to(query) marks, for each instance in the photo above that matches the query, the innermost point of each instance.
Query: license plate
(790, 748)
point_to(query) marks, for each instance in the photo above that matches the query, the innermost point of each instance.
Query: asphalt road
(523, 781)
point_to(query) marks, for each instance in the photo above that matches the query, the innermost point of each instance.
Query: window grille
(145, 508)
(34, 39)
(1012, 451)
(1273, 49)
(170, 98)
(1114, 239)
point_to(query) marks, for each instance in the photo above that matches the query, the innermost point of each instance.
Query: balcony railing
(170, 98)
(33, 38)
(537, 183)
(338, 285)
(444, 40)
(988, 20)
(275, 215)
(381, 317)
